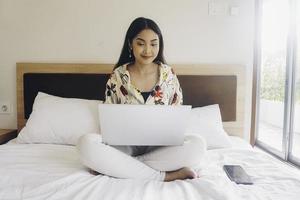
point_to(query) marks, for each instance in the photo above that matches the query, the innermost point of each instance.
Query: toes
(191, 174)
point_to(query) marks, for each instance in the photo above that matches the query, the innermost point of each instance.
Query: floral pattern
(167, 91)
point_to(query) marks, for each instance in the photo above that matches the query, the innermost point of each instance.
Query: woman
(142, 77)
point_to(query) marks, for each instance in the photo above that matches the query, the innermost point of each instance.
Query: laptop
(143, 125)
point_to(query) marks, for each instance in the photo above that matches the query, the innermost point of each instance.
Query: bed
(53, 171)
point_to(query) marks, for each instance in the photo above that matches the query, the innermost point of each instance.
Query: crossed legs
(163, 163)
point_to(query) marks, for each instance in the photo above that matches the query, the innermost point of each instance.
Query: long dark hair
(138, 25)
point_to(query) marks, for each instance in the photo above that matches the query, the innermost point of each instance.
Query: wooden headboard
(202, 85)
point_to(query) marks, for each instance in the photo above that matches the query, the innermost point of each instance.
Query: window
(295, 131)
(278, 90)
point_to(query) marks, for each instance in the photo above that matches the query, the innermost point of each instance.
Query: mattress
(48, 171)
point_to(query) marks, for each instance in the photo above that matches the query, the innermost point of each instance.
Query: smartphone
(237, 174)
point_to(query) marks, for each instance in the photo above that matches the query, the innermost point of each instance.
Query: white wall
(93, 31)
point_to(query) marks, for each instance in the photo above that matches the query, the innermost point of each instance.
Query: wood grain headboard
(202, 85)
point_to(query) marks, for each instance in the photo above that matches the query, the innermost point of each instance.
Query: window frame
(290, 82)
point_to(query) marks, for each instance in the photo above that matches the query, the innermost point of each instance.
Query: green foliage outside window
(273, 79)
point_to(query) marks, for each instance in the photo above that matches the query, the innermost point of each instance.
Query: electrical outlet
(5, 108)
(217, 8)
(234, 10)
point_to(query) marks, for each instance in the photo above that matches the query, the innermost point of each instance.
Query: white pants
(152, 165)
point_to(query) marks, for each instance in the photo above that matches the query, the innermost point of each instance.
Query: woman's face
(145, 47)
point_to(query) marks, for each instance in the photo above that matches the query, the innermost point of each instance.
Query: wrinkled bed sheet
(45, 171)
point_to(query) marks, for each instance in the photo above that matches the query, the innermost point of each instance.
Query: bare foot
(181, 174)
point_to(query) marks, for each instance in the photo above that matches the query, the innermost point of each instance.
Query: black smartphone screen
(237, 174)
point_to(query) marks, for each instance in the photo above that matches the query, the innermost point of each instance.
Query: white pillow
(207, 122)
(58, 120)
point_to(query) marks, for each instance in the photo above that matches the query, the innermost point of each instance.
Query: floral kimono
(167, 91)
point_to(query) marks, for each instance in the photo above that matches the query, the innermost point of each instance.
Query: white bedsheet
(43, 171)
